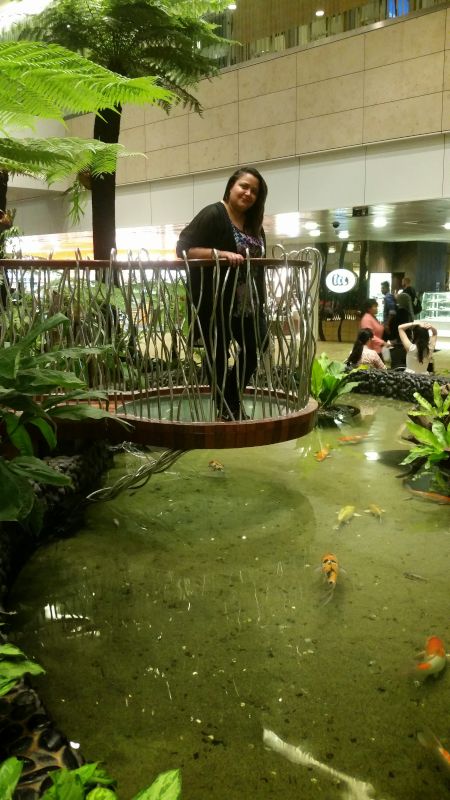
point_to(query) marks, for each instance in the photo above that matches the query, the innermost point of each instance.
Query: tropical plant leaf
(101, 793)
(37, 470)
(15, 670)
(423, 435)
(67, 785)
(167, 786)
(10, 772)
(17, 433)
(421, 401)
(16, 494)
(41, 382)
(437, 397)
(86, 412)
(441, 434)
(8, 649)
(47, 430)
(92, 774)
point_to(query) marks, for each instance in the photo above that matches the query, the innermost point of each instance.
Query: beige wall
(382, 85)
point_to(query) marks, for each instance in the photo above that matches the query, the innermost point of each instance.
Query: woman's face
(373, 309)
(244, 192)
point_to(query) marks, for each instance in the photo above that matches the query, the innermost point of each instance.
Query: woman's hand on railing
(234, 259)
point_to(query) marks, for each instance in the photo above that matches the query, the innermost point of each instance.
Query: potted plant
(330, 381)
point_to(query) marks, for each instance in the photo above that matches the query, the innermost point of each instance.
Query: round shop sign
(340, 280)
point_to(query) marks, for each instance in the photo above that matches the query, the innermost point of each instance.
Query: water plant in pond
(431, 432)
(33, 395)
(88, 782)
(329, 381)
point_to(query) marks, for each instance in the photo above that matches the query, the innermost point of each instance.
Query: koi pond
(192, 614)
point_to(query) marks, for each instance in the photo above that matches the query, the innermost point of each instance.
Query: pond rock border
(397, 384)
(26, 729)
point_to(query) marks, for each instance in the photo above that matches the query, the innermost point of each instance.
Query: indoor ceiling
(422, 220)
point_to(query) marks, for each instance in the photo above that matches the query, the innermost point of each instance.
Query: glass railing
(319, 28)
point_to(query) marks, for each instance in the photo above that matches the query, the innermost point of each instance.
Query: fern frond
(49, 81)
(54, 159)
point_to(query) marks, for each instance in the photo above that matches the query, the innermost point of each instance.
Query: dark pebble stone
(12, 732)
(51, 739)
(38, 720)
(23, 744)
(37, 774)
(69, 759)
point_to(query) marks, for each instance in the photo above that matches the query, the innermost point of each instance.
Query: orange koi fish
(434, 659)
(330, 569)
(357, 437)
(431, 742)
(215, 465)
(330, 572)
(321, 455)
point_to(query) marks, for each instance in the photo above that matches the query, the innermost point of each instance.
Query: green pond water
(189, 615)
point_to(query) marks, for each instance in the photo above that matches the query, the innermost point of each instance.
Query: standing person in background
(230, 305)
(403, 314)
(369, 320)
(389, 307)
(419, 352)
(409, 290)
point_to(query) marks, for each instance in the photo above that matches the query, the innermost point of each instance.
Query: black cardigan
(212, 228)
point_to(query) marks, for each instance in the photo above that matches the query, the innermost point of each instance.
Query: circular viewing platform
(137, 333)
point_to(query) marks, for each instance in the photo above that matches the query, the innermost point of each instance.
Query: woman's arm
(404, 338)
(209, 253)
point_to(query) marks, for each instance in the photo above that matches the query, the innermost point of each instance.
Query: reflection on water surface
(188, 616)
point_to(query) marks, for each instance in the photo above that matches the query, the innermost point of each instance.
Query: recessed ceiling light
(320, 12)
(310, 225)
(315, 232)
(447, 226)
(343, 234)
(379, 222)
(350, 247)
(332, 249)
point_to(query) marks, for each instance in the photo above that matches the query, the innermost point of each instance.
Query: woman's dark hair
(254, 215)
(421, 339)
(372, 301)
(364, 336)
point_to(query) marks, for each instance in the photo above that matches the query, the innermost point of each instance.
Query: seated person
(419, 352)
(362, 353)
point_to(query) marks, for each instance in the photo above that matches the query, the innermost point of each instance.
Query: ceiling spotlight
(379, 222)
(310, 225)
(446, 226)
(350, 246)
(332, 249)
(320, 12)
(343, 234)
(315, 232)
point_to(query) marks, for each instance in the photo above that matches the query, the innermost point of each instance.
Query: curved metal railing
(155, 360)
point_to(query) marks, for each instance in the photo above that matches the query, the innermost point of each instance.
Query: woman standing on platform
(229, 305)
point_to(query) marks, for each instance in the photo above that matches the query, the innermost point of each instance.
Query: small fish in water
(413, 576)
(215, 465)
(375, 510)
(116, 523)
(321, 455)
(434, 659)
(357, 437)
(344, 515)
(330, 571)
(431, 742)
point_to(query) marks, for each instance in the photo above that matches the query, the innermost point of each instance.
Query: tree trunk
(106, 129)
